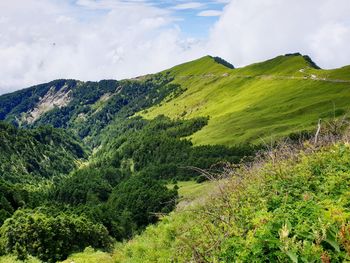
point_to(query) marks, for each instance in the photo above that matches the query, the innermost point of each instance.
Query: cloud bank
(42, 40)
(254, 30)
(48, 39)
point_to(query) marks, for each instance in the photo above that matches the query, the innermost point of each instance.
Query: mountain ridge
(203, 87)
(242, 92)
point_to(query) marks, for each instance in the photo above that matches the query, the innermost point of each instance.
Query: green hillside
(84, 165)
(85, 108)
(37, 153)
(270, 99)
(290, 208)
(29, 161)
(265, 100)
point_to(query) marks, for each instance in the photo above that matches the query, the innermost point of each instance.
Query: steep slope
(29, 160)
(293, 208)
(50, 206)
(83, 107)
(36, 153)
(273, 98)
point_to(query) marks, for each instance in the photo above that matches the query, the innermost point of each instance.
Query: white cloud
(209, 13)
(107, 4)
(190, 5)
(223, 1)
(251, 31)
(45, 40)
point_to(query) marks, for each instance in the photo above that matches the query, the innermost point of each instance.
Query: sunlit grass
(261, 101)
(90, 256)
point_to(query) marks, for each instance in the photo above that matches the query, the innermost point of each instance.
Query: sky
(43, 40)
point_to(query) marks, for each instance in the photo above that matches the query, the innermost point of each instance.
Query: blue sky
(193, 21)
(194, 18)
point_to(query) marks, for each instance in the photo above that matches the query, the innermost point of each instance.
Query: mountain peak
(306, 58)
(284, 64)
(204, 65)
(223, 62)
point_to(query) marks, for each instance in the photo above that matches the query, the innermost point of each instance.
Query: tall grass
(290, 205)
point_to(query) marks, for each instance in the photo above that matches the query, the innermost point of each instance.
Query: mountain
(83, 107)
(274, 98)
(91, 163)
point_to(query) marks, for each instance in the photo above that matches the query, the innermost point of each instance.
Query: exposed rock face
(52, 99)
(106, 97)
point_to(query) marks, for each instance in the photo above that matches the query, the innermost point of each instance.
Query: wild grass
(269, 99)
(90, 256)
(190, 191)
(13, 259)
(290, 205)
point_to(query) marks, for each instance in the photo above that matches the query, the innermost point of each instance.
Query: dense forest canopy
(116, 194)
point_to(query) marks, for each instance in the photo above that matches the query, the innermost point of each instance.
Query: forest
(56, 199)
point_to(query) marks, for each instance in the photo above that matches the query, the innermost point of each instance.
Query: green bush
(50, 238)
(293, 209)
(138, 200)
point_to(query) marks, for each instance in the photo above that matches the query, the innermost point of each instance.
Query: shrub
(50, 238)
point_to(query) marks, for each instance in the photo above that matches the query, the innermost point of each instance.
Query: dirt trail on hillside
(271, 77)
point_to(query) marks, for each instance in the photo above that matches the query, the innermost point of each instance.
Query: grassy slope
(284, 210)
(292, 210)
(12, 259)
(191, 192)
(272, 98)
(90, 256)
(157, 243)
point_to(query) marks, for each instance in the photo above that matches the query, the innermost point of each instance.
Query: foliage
(28, 159)
(142, 197)
(42, 152)
(157, 148)
(50, 238)
(90, 255)
(11, 198)
(84, 186)
(13, 259)
(262, 101)
(223, 62)
(286, 210)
